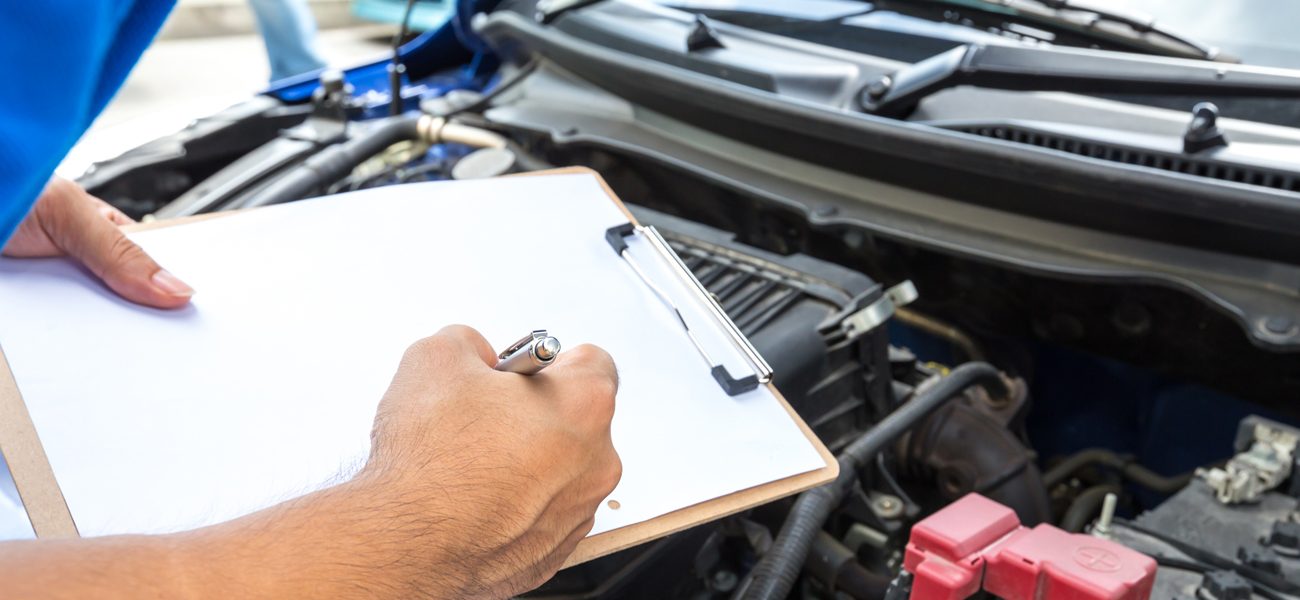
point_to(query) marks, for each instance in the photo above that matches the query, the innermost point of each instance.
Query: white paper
(266, 386)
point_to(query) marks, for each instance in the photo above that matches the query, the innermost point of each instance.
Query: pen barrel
(524, 360)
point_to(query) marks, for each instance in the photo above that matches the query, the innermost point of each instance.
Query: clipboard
(51, 518)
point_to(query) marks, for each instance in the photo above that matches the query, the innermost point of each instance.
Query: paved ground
(179, 80)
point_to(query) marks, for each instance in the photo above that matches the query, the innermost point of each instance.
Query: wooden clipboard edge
(50, 517)
(30, 468)
(47, 509)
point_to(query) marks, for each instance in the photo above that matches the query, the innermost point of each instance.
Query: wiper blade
(1071, 70)
(1138, 25)
(1081, 19)
(550, 10)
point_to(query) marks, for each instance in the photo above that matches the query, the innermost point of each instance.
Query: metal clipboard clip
(617, 238)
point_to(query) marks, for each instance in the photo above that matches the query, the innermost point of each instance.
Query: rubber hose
(1130, 470)
(861, 584)
(838, 568)
(774, 575)
(964, 449)
(334, 162)
(1085, 506)
(905, 417)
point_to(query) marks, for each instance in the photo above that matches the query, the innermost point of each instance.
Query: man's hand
(480, 483)
(68, 221)
(493, 476)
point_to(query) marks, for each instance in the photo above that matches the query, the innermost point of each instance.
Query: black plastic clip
(731, 385)
(702, 35)
(616, 236)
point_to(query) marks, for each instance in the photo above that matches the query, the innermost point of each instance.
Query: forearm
(354, 540)
(344, 542)
(110, 567)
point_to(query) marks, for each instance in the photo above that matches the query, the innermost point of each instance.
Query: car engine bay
(1023, 402)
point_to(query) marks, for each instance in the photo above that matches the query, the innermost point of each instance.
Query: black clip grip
(617, 236)
(731, 385)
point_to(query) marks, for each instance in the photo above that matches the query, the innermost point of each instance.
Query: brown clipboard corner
(30, 468)
(50, 517)
(682, 519)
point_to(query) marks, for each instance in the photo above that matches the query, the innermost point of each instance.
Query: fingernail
(170, 284)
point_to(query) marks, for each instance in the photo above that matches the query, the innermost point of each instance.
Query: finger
(594, 371)
(77, 226)
(454, 349)
(112, 214)
(473, 340)
(589, 360)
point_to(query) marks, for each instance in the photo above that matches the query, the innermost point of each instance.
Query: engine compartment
(1053, 387)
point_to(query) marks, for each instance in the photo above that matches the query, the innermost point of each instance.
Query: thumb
(81, 231)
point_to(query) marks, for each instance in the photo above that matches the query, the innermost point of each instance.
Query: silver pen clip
(530, 354)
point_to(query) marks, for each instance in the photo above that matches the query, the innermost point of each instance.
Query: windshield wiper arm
(1028, 68)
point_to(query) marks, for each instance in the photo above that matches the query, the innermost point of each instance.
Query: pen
(530, 354)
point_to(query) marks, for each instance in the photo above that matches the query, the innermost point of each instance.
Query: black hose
(1085, 506)
(861, 584)
(334, 162)
(838, 569)
(774, 575)
(1124, 464)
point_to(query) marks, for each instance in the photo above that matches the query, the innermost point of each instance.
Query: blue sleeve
(61, 61)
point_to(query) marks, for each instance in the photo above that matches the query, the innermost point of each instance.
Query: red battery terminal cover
(977, 544)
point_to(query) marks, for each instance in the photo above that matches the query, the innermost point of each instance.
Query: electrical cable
(1214, 561)
(1202, 568)
(892, 482)
(396, 69)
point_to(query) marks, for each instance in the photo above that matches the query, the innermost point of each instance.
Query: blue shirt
(61, 61)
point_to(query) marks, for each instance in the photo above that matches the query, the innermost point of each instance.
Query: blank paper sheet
(266, 386)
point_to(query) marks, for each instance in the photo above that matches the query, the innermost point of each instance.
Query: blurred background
(212, 54)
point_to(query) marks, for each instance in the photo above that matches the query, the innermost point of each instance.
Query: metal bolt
(878, 88)
(331, 80)
(887, 506)
(724, 581)
(1279, 324)
(1102, 528)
